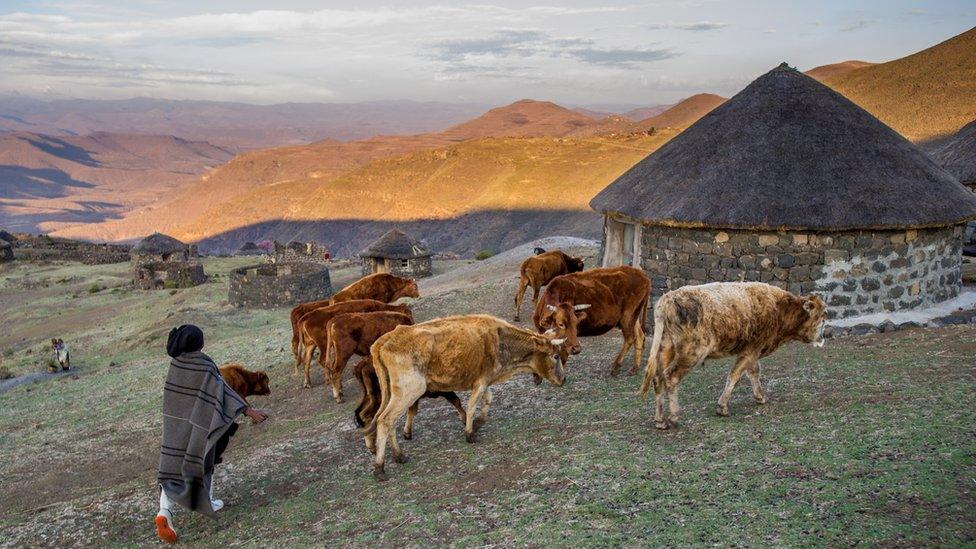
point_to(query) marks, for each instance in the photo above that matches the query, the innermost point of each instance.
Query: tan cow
(352, 334)
(460, 353)
(748, 319)
(538, 270)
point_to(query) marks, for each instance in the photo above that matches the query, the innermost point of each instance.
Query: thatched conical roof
(788, 153)
(395, 244)
(250, 248)
(6, 237)
(5, 244)
(158, 243)
(958, 154)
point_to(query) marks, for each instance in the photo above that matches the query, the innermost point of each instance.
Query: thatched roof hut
(6, 236)
(792, 184)
(788, 152)
(158, 244)
(397, 253)
(250, 248)
(958, 155)
(6, 251)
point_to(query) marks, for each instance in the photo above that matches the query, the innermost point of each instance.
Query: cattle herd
(402, 362)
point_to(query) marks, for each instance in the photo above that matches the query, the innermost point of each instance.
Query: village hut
(7, 237)
(397, 253)
(6, 251)
(161, 261)
(958, 156)
(250, 248)
(792, 184)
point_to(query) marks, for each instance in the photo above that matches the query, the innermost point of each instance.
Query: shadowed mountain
(644, 113)
(465, 234)
(922, 96)
(28, 183)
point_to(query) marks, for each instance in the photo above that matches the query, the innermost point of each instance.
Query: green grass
(867, 441)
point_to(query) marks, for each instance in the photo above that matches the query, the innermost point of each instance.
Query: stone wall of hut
(856, 272)
(172, 274)
(417, 267)
(272, 285)
(6, 253)
(43, 247)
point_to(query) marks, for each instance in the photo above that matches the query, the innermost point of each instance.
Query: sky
(570, 52)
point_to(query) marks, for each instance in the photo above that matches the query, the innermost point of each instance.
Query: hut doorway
(623, 243)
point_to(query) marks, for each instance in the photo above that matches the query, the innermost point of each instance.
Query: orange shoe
(164, 529)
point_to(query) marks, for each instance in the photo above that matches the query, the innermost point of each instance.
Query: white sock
(217, 504)
(165, 505)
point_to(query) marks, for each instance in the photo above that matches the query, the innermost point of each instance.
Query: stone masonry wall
(418, 267)
(856, 272)
(277, 285)
(172, 274)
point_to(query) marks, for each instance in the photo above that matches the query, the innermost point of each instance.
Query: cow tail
(383, 377)
(643, 311)
(652, 361)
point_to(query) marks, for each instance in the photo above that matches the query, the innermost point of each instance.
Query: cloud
(613, 57)
(697, 27)
(857, 25)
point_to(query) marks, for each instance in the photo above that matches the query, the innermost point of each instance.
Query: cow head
(260, 384)
(404, 309)
(574, 264)
(563, 319)
(547, 360)
(408, 289)
(813, 321)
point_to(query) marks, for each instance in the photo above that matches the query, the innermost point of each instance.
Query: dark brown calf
(538, 270)
(615, 297)
(370, 401)
(314, 325)
(352, 334)
(245, 382)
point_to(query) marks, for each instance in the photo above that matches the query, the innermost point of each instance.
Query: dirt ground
(867, 440)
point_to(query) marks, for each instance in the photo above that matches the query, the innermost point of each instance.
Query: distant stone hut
(272, 285)
(8, 237)
(161, 261)
(300, 252)
(958, 156)
(396, 253)
(792, 184)
(6, 251)
(250, 248)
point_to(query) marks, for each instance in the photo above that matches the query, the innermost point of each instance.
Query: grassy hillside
(836, 70)
(868, 440)
(539, 175)
(926, 95)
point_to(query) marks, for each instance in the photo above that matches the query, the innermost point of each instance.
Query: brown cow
(615, 297)
(538, 270)
(380, 287)
(460, 353)
(749, 319)
(352, 334)
(313, 325)
(245, 382)
(371, 396)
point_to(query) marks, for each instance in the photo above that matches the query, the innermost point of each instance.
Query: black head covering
(185, 339)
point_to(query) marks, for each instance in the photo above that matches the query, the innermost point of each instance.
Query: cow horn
(581, 306)
(549, 332)
(551, 307)
(557, 342)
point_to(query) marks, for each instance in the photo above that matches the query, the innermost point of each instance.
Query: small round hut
(250, 248)
(161, 261)
(399, 254)
(792, 184)
(958, 156)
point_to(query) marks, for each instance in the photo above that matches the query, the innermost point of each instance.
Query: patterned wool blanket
(198, 408)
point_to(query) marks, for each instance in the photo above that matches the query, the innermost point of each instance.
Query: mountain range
(511, 174)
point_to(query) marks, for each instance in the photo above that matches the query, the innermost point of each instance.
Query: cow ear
(580, 316)
(810, 304)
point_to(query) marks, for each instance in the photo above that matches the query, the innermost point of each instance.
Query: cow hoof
(615, 372)
(408, 435)
(760, 400)
(722, 411)
(632, 371)
(517, 318)
(401, 458)
(306, 385)
(471, 438)
(662, 425)
(478, 423)
(379, 474)
(338, 400)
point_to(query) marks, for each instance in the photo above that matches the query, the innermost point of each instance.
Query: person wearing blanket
(198, 420)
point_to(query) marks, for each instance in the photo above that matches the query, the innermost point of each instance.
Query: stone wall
(173, 274)
(856, 272)
(299, 252)
(6, 253)
(279, 284)
(38, 247)
(417, 267)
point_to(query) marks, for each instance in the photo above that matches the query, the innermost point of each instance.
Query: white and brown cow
(460, 353)
(748, 319)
